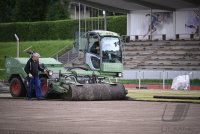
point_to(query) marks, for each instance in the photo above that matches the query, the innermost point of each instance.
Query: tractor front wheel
(43, 86)
(16, 87)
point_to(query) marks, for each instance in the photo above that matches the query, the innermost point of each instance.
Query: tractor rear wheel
(43, 86)
(17, 88)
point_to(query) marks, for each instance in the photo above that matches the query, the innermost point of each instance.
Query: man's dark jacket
(33, 67)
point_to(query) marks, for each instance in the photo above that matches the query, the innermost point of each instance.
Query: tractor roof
(105, 33)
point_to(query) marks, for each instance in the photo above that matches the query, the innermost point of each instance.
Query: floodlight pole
(85, 12)
(98, 19)
(105, 20)
(199, 26)
(151, 26)
(79, 24)
(75, 12)
(79, 20)
(17, 39)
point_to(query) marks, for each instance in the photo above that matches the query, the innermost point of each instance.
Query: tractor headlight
(119, 74)
(56, 80)
(50, 73)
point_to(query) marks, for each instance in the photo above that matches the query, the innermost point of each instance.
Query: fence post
(139, 79)
(16, 37)
(160, 73)
(143, 77)
(167, 79)
(163, 79)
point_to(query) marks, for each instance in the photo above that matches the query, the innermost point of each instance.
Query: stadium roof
(132, 5)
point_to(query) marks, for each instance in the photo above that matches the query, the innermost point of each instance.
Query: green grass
(147, 95)
(45, 48)
(136, 81)
(154, 82)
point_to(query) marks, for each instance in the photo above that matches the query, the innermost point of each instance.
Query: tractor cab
(102, 51)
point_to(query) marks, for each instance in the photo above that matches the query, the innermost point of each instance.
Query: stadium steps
(166, 67)
(173, 55)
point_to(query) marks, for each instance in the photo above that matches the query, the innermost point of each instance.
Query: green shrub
(54, 30)
(117, 24)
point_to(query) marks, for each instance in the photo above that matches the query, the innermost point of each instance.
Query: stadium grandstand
(161, 35)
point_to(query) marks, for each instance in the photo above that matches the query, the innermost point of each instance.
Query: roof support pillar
(105, 20)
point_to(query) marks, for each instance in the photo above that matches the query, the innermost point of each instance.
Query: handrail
(68, 56)
(61, 50)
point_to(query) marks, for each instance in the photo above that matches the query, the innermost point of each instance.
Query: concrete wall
(183, 22)
(158, 74)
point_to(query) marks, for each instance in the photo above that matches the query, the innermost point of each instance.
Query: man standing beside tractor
(32, 69)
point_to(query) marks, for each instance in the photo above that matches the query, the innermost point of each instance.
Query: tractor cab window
(94, 46)
(92, 56)
(111, 50)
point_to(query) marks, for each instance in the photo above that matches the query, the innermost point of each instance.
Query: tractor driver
(32, 69)
(95, 48)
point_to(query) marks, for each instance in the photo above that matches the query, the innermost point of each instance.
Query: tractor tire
(17, 88)
(43, 86)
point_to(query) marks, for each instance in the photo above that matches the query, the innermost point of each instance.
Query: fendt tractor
(102, 52)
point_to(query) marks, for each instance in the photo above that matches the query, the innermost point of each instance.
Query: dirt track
(19, 116)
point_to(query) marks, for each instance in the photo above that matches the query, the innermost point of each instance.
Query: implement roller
(97, 92)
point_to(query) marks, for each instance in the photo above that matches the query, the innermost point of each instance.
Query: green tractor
(102, 53)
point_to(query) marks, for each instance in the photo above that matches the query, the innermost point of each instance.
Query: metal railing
(60, 52)
(159, 79)
(137, 37)
(68, 56)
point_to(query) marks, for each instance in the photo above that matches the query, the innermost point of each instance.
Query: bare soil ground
(20, 116)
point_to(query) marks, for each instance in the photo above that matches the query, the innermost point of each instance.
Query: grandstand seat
(173, 55)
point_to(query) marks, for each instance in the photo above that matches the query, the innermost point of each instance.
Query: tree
(33, 10)
(30, 10)
(58, 10)
(6, 10)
